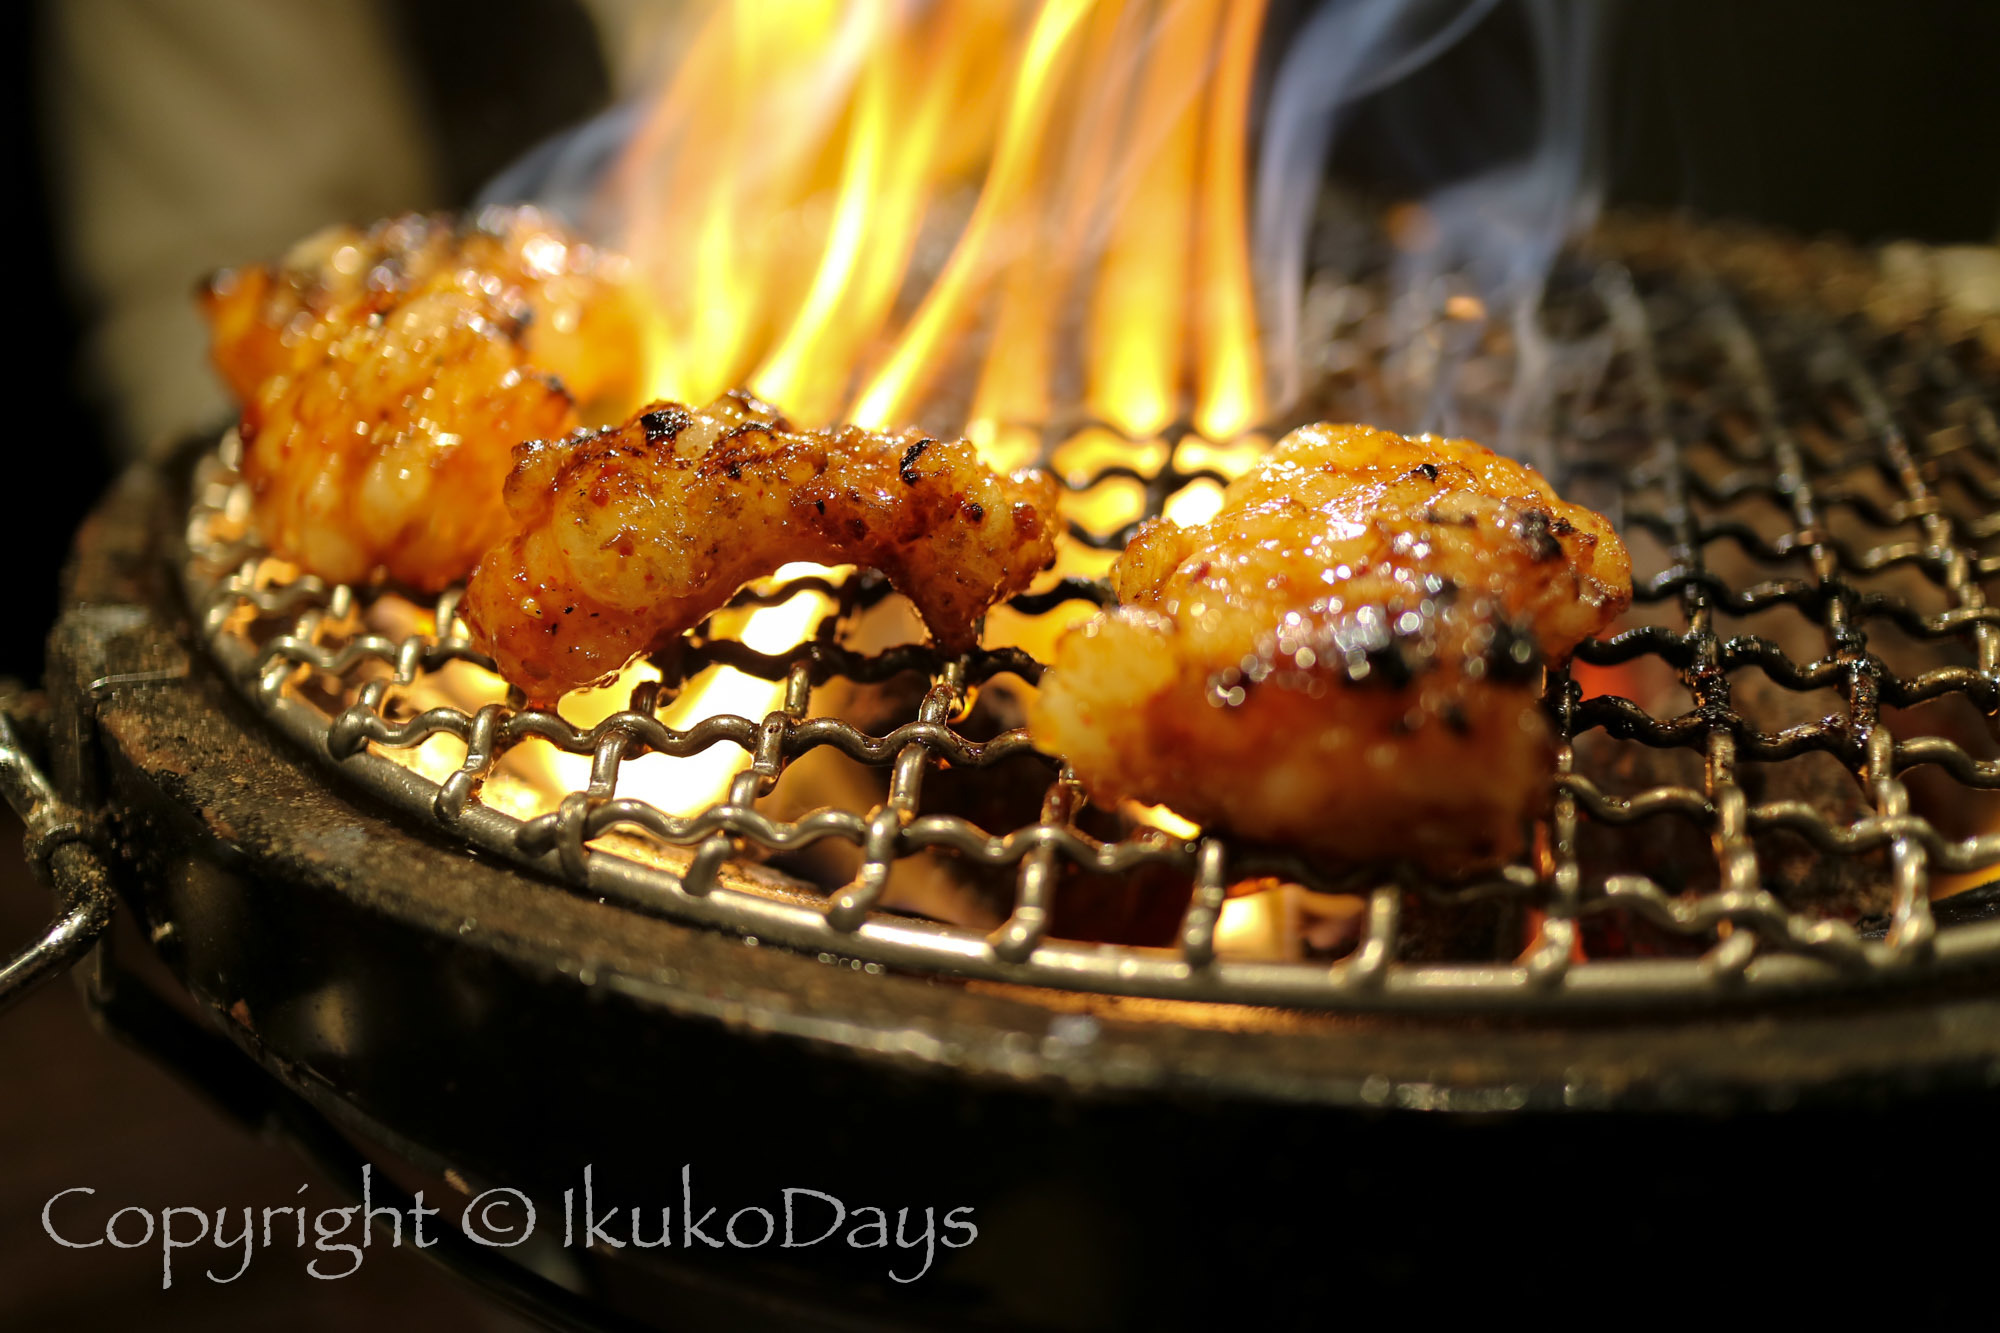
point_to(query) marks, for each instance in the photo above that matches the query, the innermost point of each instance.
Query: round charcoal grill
(1848, 471)
(459, 933)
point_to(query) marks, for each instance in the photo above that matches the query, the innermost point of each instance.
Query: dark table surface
(1868, 1209)
(76, 1108)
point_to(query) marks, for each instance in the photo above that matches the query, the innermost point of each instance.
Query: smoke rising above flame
(984, 216)
(973, 215)
(991, 218)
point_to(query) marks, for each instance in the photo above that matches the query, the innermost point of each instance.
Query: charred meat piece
(387, 374)
(625, 539)
(1347, 657)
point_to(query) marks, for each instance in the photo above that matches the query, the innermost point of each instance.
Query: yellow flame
(1015, 385)
(712, 199)
(1001, 206)
(982, 216)
(893, 148)
(1228, 367)
(794, 197)
(1253, 926)
(1139, 314)
(1278, 921)
(683, 786)
(1161, 818)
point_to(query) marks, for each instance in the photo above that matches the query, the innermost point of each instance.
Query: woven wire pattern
(1785, 451)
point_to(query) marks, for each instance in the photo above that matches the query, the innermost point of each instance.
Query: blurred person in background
(163, 139)
(191, 134)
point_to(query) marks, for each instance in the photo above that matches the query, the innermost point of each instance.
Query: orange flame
(979, 216)
(798, 200)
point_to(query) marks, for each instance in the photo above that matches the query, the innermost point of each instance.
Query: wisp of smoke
(1495, 227)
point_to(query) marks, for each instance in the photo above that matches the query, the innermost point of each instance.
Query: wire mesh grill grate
(1768, 771)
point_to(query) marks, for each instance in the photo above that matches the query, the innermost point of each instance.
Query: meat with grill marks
(1347, 658)
(624, 539)
(386, 375)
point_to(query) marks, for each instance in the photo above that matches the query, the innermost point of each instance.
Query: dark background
(1875, 119)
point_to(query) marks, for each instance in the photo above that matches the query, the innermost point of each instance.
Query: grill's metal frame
(1760, 947)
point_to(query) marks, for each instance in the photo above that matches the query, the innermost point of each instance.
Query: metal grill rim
(1761, 948)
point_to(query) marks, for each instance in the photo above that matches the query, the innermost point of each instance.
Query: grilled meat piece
(387, 374)
(1347, 657)
(624, 539)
